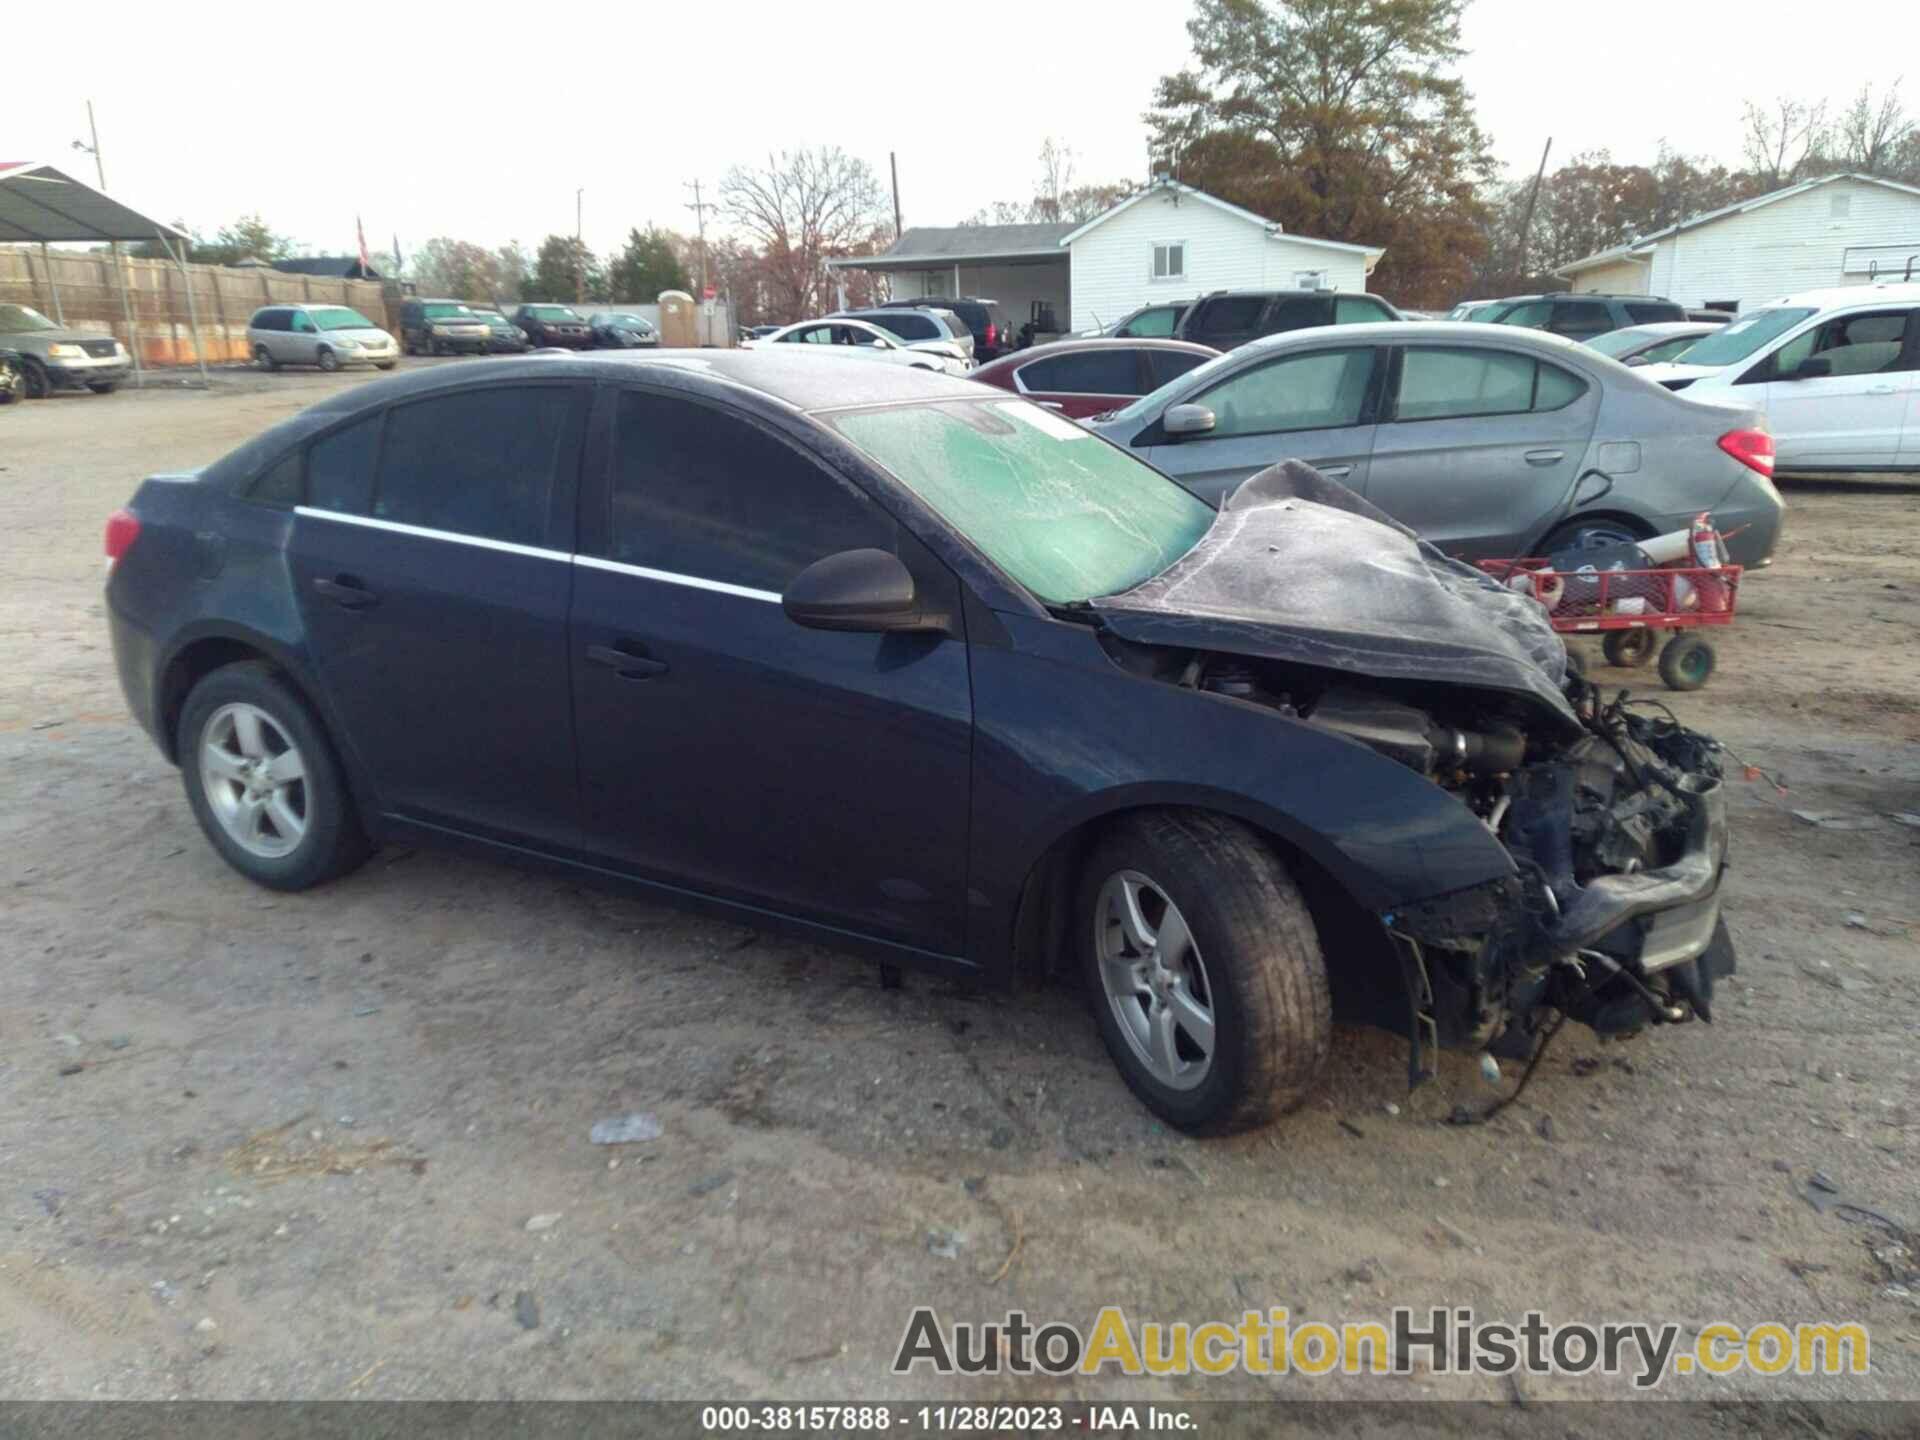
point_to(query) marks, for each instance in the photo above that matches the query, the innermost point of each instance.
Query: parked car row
(330, 336)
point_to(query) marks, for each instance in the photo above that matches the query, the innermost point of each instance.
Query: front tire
(263, 780)
(327, 360)
(33, 377)
(263, 357)
(1205, 971)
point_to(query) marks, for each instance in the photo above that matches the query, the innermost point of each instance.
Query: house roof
(44, 205)
(340, 267)
(959, 244)
(1175, 187)
(925, 246)
(1633, 248)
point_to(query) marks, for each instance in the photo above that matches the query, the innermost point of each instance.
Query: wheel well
(187, 669)
(1363, 967)
(1632, 524)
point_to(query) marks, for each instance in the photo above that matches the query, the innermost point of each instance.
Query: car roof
(795, 382)
(1391, 332)
(1831, 298)
(1278, 290)
(1095, 343)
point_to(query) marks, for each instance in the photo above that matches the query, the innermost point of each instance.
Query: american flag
(361, 231)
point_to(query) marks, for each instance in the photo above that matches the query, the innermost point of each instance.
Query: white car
(855, 339)
(1836, 371)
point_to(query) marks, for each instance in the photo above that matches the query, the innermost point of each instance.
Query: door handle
(1335, 472)
(1545, 457)
(345, 593)
(626, 664)
(1881, 390)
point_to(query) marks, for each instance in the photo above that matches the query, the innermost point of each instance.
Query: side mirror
(1187, 420)
(862, 590)
(1814, 367)
(878, 344)
(1636, 360)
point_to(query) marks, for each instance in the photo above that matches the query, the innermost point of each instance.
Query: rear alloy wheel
(263, 781)
(327, 360)
(1628, 649)
(1205, 970)
(263, 357)
(33, 377)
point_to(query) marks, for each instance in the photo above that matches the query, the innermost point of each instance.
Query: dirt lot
(308, 1132)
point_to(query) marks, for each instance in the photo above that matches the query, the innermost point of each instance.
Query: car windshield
(339, 317)
(1746, 335)
(20, 320)
(631, 322)
(553, 312)
(1056, 507)
(447, 311)
(1154, 401)
(1618, 342)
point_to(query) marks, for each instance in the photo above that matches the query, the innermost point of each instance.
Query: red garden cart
(1626, 607)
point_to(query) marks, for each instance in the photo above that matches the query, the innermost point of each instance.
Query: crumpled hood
(1300, 569)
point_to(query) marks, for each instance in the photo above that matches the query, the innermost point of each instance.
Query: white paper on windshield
(1043, 420)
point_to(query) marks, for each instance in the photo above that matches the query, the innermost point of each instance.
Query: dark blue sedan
(923, 671)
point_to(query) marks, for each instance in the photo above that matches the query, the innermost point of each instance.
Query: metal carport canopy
(43, 205)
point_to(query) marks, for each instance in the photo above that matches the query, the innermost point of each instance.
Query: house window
(1839, 206)
(1310, 280)
(1170, 261)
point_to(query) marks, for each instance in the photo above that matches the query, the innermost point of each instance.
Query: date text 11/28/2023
(917, 1420)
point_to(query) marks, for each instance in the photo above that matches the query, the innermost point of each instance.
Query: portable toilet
(679, 320)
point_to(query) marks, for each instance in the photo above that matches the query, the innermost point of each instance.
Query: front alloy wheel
(1151, 971)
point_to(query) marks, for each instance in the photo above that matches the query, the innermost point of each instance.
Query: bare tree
(1871, 132)
(802, 208)
(1056, 180)
(1785, 141)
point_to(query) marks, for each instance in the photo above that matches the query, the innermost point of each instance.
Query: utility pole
(893, 164)
(1526, 220)
(579, 252)
(699, 208)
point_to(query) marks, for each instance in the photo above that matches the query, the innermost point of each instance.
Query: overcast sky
(422, 124)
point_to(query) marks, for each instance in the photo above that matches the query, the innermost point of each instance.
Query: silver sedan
(1489, 442)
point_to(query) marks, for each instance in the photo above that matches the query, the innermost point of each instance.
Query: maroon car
(1087, 377)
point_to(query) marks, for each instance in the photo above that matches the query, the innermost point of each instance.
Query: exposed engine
(1613, 832)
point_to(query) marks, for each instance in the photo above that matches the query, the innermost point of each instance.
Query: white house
(1166, 242)
(1837, 230)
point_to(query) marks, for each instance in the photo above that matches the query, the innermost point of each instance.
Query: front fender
(1064, 737)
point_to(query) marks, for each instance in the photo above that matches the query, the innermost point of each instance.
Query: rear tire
(1591, 535)
(263, 357)
(1628, 649)
(263, 780)
(1687, 662)
(1231, 1025)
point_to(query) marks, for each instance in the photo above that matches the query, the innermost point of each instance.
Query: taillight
(991, 332)
(1752, 448)
(123, 528)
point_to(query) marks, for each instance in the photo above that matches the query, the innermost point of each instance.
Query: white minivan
(1836, 371)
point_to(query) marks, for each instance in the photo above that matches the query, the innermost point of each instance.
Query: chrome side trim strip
(692, 582)
(424, 533)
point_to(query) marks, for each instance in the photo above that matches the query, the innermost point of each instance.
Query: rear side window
(1155, 324)
(482, 462)
(269, 320)
(1172, 364)
(1580, 317)
(1648, 314)
(340, 468)
(700, 493)
(1093, 372)
(1229, 315)
(1533, 315)
(1457, 384)
(1297, 312)
(1349, 310)
(910, 325)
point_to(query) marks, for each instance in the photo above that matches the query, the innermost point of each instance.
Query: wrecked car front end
(1308, 601)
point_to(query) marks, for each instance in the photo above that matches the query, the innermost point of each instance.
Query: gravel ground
(307, 1134)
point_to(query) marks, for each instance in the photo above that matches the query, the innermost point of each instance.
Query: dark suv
(1581, 317)
(991, 337)
(1227, 318)
(550, 324)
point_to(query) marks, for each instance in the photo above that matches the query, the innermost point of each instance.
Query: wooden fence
(80, 286)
